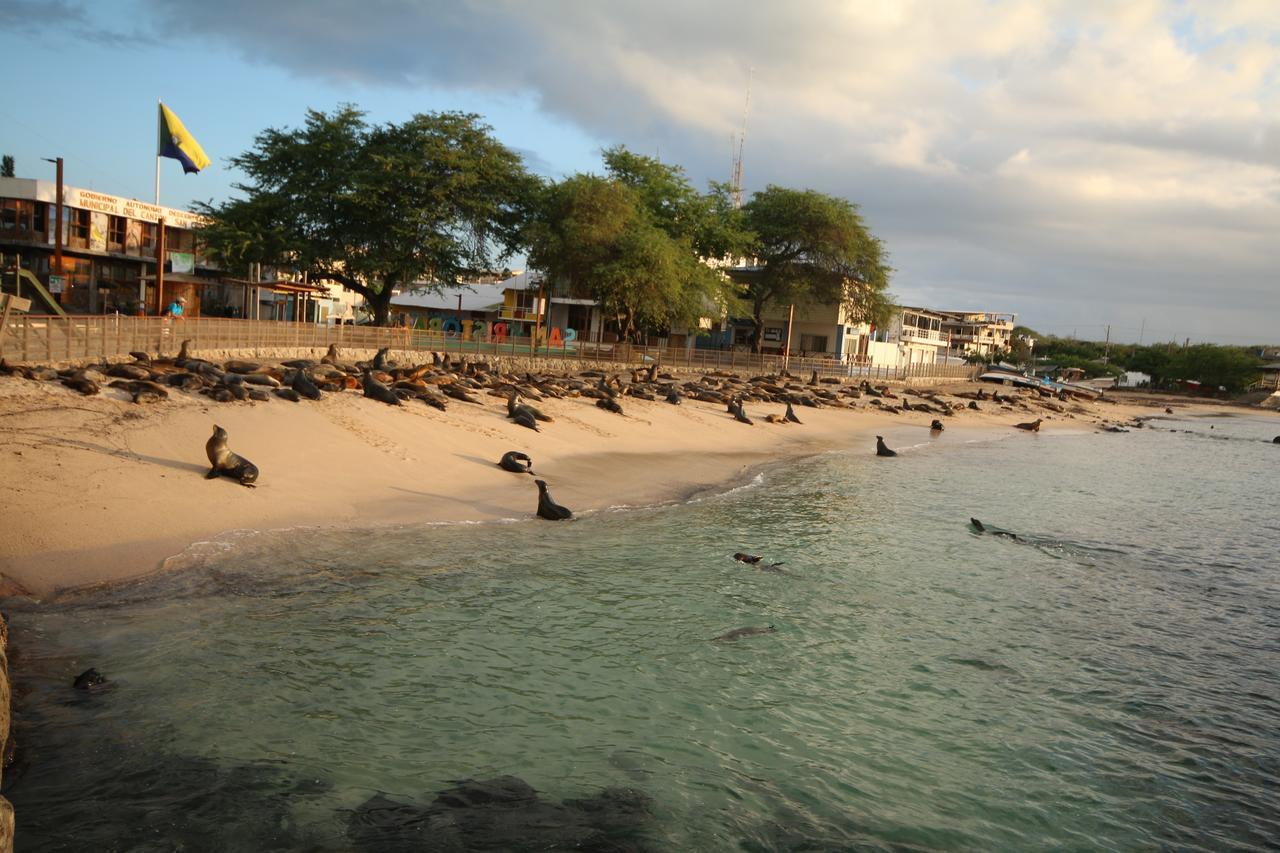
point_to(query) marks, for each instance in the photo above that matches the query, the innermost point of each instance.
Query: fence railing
(45, 339)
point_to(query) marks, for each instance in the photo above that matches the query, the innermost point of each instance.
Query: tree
(709, 221)
(600, 238)
(1232, 368)
(375, 207)
(6, 166)
(815, 247)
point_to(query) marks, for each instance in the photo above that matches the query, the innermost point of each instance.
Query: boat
(1010, 377)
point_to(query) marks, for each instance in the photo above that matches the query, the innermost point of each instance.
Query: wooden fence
(50, 340)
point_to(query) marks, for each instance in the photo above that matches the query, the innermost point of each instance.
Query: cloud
(1079, 157)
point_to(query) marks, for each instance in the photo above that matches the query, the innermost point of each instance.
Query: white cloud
(1084, 137)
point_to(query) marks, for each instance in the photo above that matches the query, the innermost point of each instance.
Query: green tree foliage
(634, 241)
(602, 238)
(1232, 368)
(812, 247)
(6, 166)
(375, 207)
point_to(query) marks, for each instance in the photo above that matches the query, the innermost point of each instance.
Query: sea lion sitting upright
(303, 385)
(791, 414)
(226, 463)
(516, 462)
(547, 508)
(882, 449)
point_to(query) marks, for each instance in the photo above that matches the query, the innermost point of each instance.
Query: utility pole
(57, 224)
(160, 268)
(1143, 332)
(735, 177)
(786, 350)
(1106, 352)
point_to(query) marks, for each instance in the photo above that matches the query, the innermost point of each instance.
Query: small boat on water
(1010, 377)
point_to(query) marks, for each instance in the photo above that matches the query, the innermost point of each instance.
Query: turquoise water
(1110, 680)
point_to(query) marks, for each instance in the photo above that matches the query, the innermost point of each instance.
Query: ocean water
(1108, 680)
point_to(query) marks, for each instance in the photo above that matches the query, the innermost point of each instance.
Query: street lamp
(57, 225)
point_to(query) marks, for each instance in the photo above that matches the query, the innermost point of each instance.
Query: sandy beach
(99, 489)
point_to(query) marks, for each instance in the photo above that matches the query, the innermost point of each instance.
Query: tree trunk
(758, 320)
(380, 302)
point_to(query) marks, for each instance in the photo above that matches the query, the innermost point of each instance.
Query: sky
(1082, 164)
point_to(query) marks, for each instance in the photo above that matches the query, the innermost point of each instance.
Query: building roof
(475, 297)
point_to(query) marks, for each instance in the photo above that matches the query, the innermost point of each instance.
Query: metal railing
(46, 339)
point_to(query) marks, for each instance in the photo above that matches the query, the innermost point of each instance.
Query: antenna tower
(736, 145)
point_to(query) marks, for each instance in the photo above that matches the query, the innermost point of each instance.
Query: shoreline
(105, 491)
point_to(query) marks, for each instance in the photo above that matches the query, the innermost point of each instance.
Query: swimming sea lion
(516, 462)
(981, 528)
(1032, 426)
(227, 463)
(547, 508)
(747, 558)
(1276, 440)
(751, 631)
(936, 426)
(88, 680)
(882, 449)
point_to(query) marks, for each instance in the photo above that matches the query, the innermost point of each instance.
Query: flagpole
(158, 104)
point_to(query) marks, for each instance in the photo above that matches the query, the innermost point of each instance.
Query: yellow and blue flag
(177, 142)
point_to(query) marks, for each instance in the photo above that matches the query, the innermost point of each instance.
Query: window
(179, 240)
(8, 214)
(813, 343)
(41, 218)
(148, 238)
(115, 233)
(79, 223)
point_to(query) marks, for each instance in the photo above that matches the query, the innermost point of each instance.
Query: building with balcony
(981, 333)
(109, 246)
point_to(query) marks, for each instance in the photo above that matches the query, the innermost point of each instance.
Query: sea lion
(1168, 411)
(226, 463)
(882, 449)
(375, 390)
(609, 405)
(1276, 440)
(791, 414)
(79, 382)
(936, 426)
(673, 396)
(547, 508)
(89, 679)
(1031, 426)
(516, 462)
(982, 528)
(303, 385)
(288, 394)
(750, 631)
(331, 357)
(754, 560)
(741, 416)
(525, 420)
